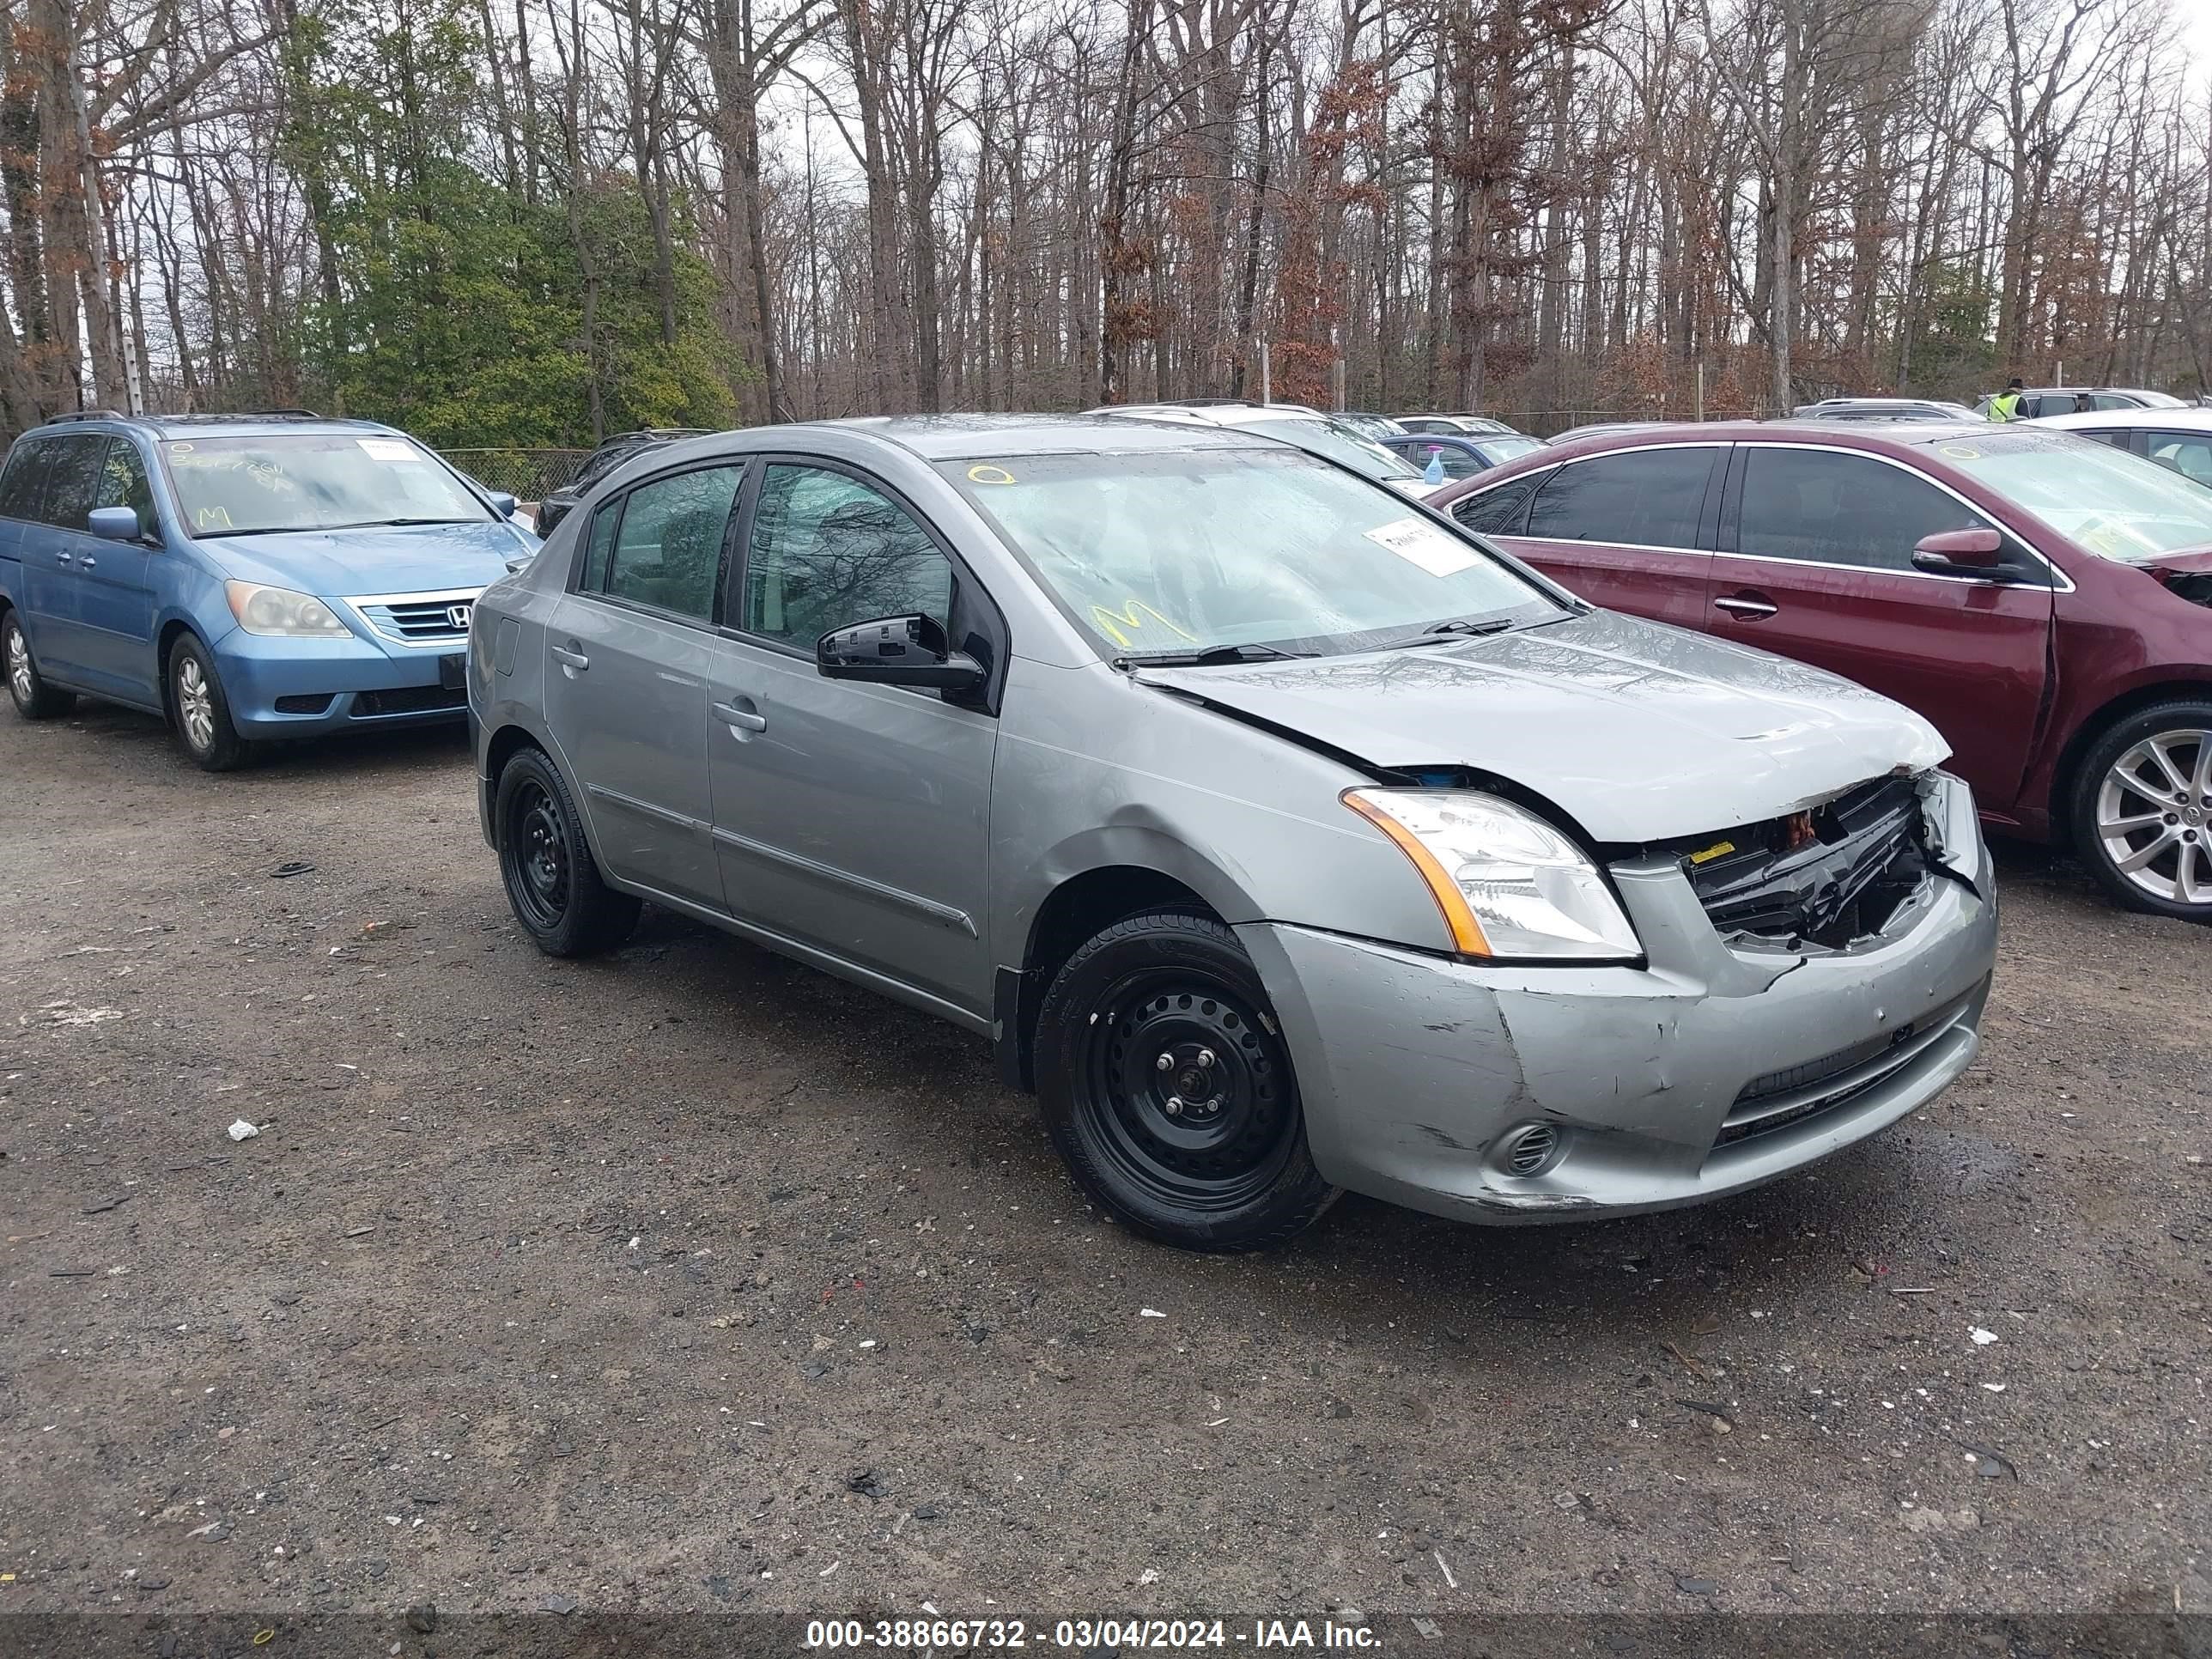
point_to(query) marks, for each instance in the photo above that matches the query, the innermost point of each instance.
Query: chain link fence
(528, 475)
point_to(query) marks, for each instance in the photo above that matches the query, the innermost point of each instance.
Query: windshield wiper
(1455, 627)
(381, 524)
(1213, 656)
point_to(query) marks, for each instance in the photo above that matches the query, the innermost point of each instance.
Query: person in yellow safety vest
(2005, 406)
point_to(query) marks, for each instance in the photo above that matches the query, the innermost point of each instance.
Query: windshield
(312, 481)
(1497, 450)
(1178, 552)
(2116, 505)
(2159, 400)
(1339, 443)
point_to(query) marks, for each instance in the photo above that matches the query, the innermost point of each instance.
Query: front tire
(553, 884)
(28, 690)
(1168, 1088)
(199, 710)
(2142, 810)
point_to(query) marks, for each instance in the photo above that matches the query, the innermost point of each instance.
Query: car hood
(1639, 732)
(428, 558)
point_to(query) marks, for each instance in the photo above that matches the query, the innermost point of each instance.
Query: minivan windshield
(1339, 443)
(2118, 505)
(1182, 552)
(279, 481)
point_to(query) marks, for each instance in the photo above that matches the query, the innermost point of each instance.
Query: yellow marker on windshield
(985, 473)
(1111, 622)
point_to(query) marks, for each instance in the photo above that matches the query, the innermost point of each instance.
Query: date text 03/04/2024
(954, 1635)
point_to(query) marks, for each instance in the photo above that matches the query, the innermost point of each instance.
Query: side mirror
(112, 524)
(897, 651)
(1961, 553)
(503, 504)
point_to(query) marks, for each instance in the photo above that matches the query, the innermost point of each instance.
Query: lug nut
(1174, 1106)
(1164, 1063)
(1205, 1056)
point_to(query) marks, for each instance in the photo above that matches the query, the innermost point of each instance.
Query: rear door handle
(571, 660)
(1750, 610)
(86, 560)
(740, 716)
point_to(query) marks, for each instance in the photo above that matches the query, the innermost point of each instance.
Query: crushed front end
(1808, 979)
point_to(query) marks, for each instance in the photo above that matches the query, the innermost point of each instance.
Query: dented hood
(1638, 731)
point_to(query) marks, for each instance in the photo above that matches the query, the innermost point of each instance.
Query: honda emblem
(457, 617)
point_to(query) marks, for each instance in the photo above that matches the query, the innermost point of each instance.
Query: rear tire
(199, 711)
(33, 698)
(553, 884)
(1206, 1150)
(2142, 810)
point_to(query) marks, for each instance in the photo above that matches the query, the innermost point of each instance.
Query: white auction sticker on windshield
(387, 449)
(1419, 541)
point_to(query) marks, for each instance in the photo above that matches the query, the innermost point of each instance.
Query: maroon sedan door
(1815, 562)
(1624, 529)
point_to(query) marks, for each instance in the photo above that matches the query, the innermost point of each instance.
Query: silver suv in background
(1282, 836)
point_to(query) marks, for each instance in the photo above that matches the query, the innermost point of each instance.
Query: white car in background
(2180, 438)
(1291, 424)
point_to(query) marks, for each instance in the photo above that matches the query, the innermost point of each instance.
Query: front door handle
(576, 661)
(1747, 606)
(741, 717)
(61, 558)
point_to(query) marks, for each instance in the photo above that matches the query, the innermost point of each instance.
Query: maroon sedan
(2042, 599)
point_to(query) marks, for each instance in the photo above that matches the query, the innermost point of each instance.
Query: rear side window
(1830, 508)
(1644, 498)
(2188, 453)
(24, 484)
(1457, 462)
(602, 543)
(597, 467)
(668, 550)
(73, 479)
(1497, 512)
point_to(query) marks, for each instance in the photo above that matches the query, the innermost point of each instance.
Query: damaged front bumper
(1712, 1069)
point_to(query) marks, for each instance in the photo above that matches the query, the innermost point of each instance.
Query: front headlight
(1508, 883)
(279, 611)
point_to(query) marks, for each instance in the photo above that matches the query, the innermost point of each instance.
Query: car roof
(968, 437)
(1221, 414)
(2188, 417)
(240, 425)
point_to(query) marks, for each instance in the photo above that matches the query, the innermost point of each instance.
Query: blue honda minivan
(246, 577)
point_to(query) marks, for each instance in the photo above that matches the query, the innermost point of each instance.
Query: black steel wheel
(1167, 1086)
(553, 885)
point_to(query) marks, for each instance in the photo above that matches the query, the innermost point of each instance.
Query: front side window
(1497, 511)
(1830, 508)
(1176, 552)
(667, 550)
(828, 551)
(1640, 498)
(281, 481)
(123, 484)
(2114, 504)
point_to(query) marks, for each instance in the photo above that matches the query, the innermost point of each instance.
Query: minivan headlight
(1508, 883)
(280, 610)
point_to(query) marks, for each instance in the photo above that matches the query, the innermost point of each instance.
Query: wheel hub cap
(195, 704)
(19, 662)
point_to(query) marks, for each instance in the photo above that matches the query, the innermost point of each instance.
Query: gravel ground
(693, 1279)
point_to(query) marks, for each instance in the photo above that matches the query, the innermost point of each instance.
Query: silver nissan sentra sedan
(1282, 836)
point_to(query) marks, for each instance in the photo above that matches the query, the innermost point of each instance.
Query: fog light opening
(1529, 1150)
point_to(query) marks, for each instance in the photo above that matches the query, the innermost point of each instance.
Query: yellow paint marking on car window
(211, 518)
(1112, 623)
(985, 473)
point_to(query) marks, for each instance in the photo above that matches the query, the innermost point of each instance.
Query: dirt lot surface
(692, 1279)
